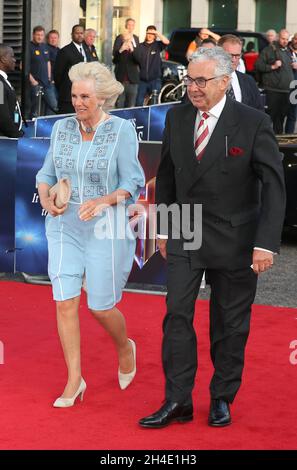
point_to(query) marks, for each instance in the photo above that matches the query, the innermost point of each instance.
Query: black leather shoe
(219, 413)
(169, 413)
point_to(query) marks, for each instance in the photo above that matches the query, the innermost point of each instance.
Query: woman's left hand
(89, 209)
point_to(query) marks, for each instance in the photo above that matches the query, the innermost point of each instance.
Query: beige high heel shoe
(66, 402)
(126, 379)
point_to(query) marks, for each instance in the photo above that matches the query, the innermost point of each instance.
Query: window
(223, 14)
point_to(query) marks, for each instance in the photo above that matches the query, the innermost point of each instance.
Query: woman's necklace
(89, 130)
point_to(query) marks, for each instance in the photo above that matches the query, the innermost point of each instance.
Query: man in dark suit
(10, 113)
(221, 157)
(126, 66)
(243, 87)
(68, 56)
(90, 38)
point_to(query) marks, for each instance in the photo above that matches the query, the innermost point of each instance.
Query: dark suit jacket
(242, 196)
(8, 128)
(66, 58)
(250, 92)
(126, 65)
(93, 53)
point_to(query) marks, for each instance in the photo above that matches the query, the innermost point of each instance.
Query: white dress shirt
(214, 114)
(236, 87)
(241, 66)
(5, 76)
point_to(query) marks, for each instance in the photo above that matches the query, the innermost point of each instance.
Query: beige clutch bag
(62, 189)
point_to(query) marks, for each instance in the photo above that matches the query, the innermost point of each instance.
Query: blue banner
(157, 121)
(139, 118)
(31, 245)
(8, 161)
(29, 129)
(148, 121)
(44, 125)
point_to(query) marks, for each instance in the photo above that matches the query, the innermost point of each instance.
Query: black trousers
(65, 107)
(278, 107)
(128, 98)
(232, 294)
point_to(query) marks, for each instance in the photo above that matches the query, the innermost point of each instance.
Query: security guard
(10, 111)
(40, 76)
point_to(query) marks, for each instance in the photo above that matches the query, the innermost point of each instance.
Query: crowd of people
(138, 66)
(219, 151)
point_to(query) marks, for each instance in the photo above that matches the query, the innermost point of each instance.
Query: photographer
(149, 59)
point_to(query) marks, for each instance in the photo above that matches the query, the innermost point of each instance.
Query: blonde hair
(106, 86)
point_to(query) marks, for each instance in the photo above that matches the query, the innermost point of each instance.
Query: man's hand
(153, 31)
(262, 261)
(277, 64)
(34, 82)
(161, 243)
(126, 46)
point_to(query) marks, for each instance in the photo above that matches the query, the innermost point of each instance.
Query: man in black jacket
(10, 113)
(149, 59)
(243, 87)
(275, 67)
(292, 113)
(68, 56)
(126, 66)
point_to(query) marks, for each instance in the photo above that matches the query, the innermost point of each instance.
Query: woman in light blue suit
(90, 236)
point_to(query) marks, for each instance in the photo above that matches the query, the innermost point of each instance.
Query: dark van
(180, 39)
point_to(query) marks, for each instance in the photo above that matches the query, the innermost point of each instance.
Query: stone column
(199, 14)
(246, 15)
(291, 19)
(42, 14)
(149, 13)
(65, 15)
(106, 33)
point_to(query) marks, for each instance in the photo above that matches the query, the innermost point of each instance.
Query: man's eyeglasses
(199, 81)
(236, 56)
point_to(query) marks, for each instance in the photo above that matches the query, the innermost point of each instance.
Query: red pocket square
(236, 151)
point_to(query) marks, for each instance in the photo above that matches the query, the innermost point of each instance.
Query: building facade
(108, 17)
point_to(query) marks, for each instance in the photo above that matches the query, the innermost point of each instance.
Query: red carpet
(264, 413)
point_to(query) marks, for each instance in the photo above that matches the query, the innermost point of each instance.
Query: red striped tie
(201, 136)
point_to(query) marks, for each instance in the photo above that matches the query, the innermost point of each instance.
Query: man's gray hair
(218, 55)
